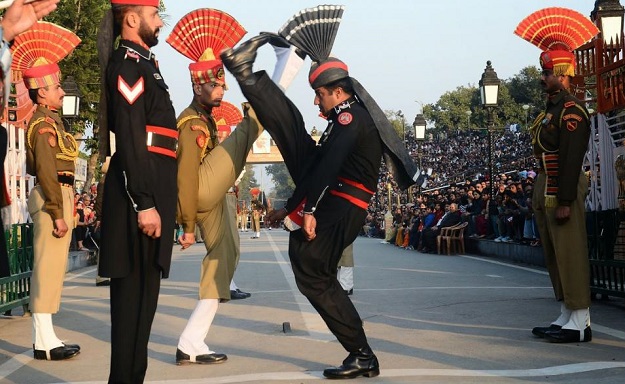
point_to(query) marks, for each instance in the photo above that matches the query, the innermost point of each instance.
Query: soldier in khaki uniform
(206, 171)
(50, 157)
(257, 212)
(560, 140)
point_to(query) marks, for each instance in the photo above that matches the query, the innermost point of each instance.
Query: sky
(404, 52)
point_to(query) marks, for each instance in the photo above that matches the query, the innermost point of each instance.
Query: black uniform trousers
(133, 305)
(314, 263)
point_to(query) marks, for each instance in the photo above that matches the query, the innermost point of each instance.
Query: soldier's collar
(137, 48)
(345, 105)
(48, 110)
(557, 97)
(201, 111)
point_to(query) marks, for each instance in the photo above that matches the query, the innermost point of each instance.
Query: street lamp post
(419, 124)
(403, 125)
(526, 108)
(608, 17)
(489, 92)
(71, 100)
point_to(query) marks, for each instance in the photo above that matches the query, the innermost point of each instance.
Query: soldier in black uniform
(334, 182)
(560, 140)
(140, 192)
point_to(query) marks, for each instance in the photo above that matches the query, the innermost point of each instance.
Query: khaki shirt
(50, 151)
(563, 129)
(197, 136)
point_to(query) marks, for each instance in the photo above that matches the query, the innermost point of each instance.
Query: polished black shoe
(247, 294)
(361, 363)
(238, 295)
(59, 353)
(540, 331)
(239, 61)
(103, 283)
(211, 358)
(569, 336)
(350, 292)
(75, 346)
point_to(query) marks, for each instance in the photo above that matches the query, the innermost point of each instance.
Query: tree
(248, 181)
(450, 111)
(282, 181)
(83, 17)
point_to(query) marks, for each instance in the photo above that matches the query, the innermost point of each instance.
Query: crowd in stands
(85, 220)
(458, 190)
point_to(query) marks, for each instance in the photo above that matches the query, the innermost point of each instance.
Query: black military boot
(361, 363)
(239, 61)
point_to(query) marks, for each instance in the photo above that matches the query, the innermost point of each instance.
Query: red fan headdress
(558, 32)
(226, 116)
(37, 51)
(201, 35)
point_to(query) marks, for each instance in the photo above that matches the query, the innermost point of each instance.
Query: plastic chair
(444, 235)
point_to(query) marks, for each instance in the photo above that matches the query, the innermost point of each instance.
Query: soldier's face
(52, 96)
(210, 94)
(326, 99)
(550, 82)
(150, 26)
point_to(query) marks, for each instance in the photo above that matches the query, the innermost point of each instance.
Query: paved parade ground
(429, 318)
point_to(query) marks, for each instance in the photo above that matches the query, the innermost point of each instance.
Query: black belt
(353, 192)
(156, 140)
(65, 179)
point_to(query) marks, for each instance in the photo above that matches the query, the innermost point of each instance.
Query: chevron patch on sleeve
(130, 93)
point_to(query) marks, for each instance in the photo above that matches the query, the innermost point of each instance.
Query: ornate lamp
(608, 17)
(71, 101)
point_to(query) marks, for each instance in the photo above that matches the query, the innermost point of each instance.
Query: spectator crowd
(458, 190)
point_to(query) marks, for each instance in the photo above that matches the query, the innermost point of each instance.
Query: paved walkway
(429, 318)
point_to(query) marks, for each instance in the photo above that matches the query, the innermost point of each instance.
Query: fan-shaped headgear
(227, 113)
(558, 32)
(313, 30)
(151, 3)
(37, 51)
(201, 35)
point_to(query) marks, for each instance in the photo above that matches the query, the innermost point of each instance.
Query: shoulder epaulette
(31, 129)
(183, 120)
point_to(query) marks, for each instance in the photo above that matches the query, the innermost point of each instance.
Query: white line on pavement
(506, 264)
(386, 373)
(312, 321)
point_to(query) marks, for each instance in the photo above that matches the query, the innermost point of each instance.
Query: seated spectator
(450, 218)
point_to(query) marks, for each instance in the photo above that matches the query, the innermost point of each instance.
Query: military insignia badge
(571, 125)
(52, 141)
(130, 93)
(201, 141)
(569, 104)
(132, 55)
(345, 118)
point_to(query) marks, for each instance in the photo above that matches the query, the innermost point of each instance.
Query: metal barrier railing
(15, 289)
(606, 252)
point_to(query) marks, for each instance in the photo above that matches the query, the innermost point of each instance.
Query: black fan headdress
(313, 31)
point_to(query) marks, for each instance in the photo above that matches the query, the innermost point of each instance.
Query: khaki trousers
(565, 246)
(347, 257)
(50, 252)
(215, 218)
